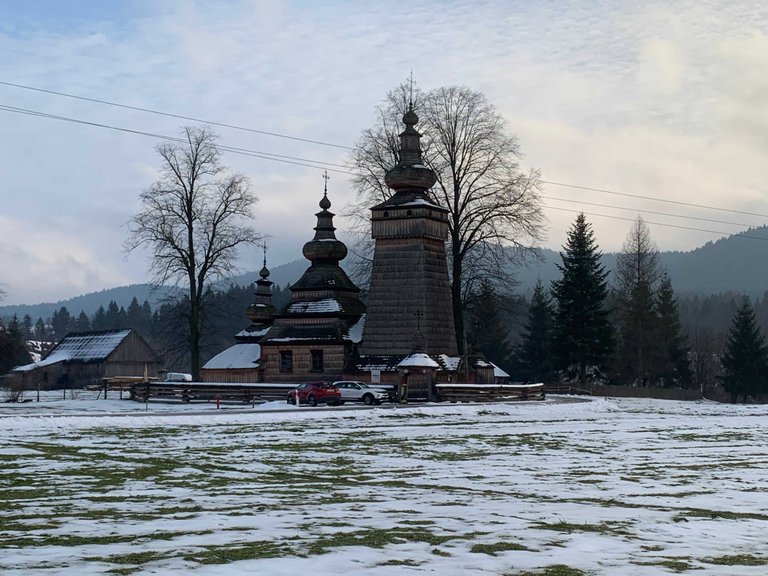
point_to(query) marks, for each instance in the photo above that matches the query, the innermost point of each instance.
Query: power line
(304, 161)
(604, 191)
(171, 115)
(243, 151)
(659, 223)
(642, 211)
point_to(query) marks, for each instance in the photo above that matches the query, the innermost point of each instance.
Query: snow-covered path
(630, 487)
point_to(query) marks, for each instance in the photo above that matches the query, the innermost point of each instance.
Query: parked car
(354, 391)
(314, 393)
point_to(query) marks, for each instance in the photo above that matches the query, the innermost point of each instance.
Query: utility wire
(643, 211)
(235, 150)
(654, 199)
(171, 115)
(310, 163)
(659, 223)
(322, 143)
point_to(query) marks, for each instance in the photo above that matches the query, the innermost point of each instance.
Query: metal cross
(410, 94)
(326, 178)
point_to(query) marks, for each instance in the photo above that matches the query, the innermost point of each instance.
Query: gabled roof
(81, 348)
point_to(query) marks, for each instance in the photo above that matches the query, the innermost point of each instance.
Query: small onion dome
(324, 202)
(264, 272)
(410, 118)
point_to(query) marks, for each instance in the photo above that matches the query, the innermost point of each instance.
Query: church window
(286, 361)
(317, 361)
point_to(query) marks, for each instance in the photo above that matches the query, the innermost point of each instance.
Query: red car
(313, 393)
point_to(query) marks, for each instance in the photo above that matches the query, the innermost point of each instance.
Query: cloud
(645, 98)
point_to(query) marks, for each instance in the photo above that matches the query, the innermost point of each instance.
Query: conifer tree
(486, 330)
(745, 360)
(535, 353)
(83, 323)
(637, 274)
(583, 335)
(674, 366)
(13, 349)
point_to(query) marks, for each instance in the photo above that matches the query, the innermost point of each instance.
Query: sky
(653, 99)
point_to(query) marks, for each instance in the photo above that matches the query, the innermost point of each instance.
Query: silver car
(354, 391)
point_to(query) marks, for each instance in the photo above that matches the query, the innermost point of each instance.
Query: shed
(84, 358)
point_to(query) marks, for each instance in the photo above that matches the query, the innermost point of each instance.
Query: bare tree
(495, 215)
(637, 275)
(193, 219)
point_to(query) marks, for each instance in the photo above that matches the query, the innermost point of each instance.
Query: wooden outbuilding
(85, 358)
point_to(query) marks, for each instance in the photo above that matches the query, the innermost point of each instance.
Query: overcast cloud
(664, 99)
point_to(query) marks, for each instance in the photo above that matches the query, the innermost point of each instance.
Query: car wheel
(312, 401)
(367, 399)
(289, 400)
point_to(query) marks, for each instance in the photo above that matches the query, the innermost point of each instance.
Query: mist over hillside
(733, 264)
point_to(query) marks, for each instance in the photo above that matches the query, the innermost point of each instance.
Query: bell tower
(410, 290)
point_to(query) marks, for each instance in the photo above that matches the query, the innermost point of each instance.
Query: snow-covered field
(617, 487)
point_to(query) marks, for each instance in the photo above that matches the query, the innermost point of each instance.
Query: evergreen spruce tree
(61, 323)
(99, 320)
(534, 354)
(13, 348)
(674, 366)
(487, 333)
(583, 335)
(745, 360)
(41, 331)
(83, 323)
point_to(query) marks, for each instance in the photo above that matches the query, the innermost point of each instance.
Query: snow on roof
(355, 333)
(421, 202)
(480, 363)
(314, 307)
(498, 372)
(81, 347)
(252, 333)
(239, 356)
(418, 360)
(451, 363)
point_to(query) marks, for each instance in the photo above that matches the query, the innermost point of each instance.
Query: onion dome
(410, 172)
(324, 247)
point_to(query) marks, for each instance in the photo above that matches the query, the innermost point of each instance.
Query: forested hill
(736, 264)
(122, 295)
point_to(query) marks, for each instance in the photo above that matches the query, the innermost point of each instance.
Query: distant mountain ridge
(736, 264)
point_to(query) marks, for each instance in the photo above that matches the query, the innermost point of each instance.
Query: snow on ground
(630, 487)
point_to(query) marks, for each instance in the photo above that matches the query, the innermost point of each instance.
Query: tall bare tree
(193, 219)
(637, 275)
(495, 214)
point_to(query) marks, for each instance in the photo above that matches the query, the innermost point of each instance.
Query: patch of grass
(492, 549)
(242, 551)
(376, 538)
(554, 570)
(441, 553)
(738, 560)
(400, 563)
(678, 565)
(656, 548)
(608, 528)
(719, 514)
(135, 559)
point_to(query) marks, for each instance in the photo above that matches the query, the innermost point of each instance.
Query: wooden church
(406, 332)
